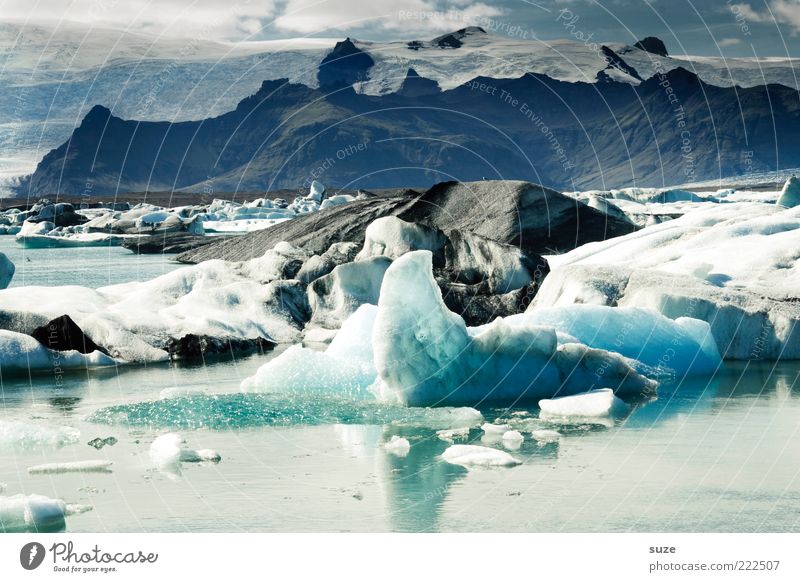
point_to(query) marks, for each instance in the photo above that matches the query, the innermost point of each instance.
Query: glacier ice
(476, 455)
(31, 513)
(425, 355)
(391, 237)
(732, 265)
(15, 434)
(90, 466)
(134, 321)
(596, 403)
(450, 435)
(491, 428)
(682, 346)
(336, 296)
(22, 353)
(790, 194)
(398, 446)
(6, 271)
(512, 439)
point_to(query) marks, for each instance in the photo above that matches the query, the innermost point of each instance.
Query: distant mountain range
(464, 106)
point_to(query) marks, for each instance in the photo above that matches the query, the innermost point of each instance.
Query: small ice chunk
(475, 455)
(495, 429)
(77, 508)
(200, 456)
(450, 435)
(22, 435)
(512, 439)
(90, 466)
(592, 404)
(545, 435)
(398, 446)
(31, 513)
(165, 452)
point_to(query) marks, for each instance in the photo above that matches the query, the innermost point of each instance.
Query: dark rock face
(653, 45)
(416, 86)
(198, 347)
(454, 39)
(536, 219)
(478, 307)
(496, 268)
(344, 65)
(313, 232)
(168, 243)
(598, 135)
(617, 62)
(63, 334)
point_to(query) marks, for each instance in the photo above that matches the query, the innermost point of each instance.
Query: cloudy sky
(706, 27)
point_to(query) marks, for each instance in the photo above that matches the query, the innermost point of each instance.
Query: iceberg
(91, 466)
(597, 403)
(31, 513)
(644, 336)
(425, 355)
(790, 194)
(22, 353)
(475, 455)
(135, 321)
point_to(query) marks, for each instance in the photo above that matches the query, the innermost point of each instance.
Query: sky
(699, 27)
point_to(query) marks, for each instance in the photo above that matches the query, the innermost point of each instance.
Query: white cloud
(778, 12)
(408, 16)
(724, 42)
(210, 18)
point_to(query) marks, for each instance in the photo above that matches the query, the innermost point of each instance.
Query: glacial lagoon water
(716, 454)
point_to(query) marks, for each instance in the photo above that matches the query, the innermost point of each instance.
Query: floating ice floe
(20, 435)
(31, 513)
(513, 439)
(346, 367)
(475, 455)
(90, 466)
(594, 404)
(136, 321)
(167, 454)
(495, 429)
(22, 354)
(397, 446)
(450, 435)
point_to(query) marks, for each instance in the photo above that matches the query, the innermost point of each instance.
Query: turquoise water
(89, 267)
(703, 456)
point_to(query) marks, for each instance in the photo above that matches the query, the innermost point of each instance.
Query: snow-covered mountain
(52, 76)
